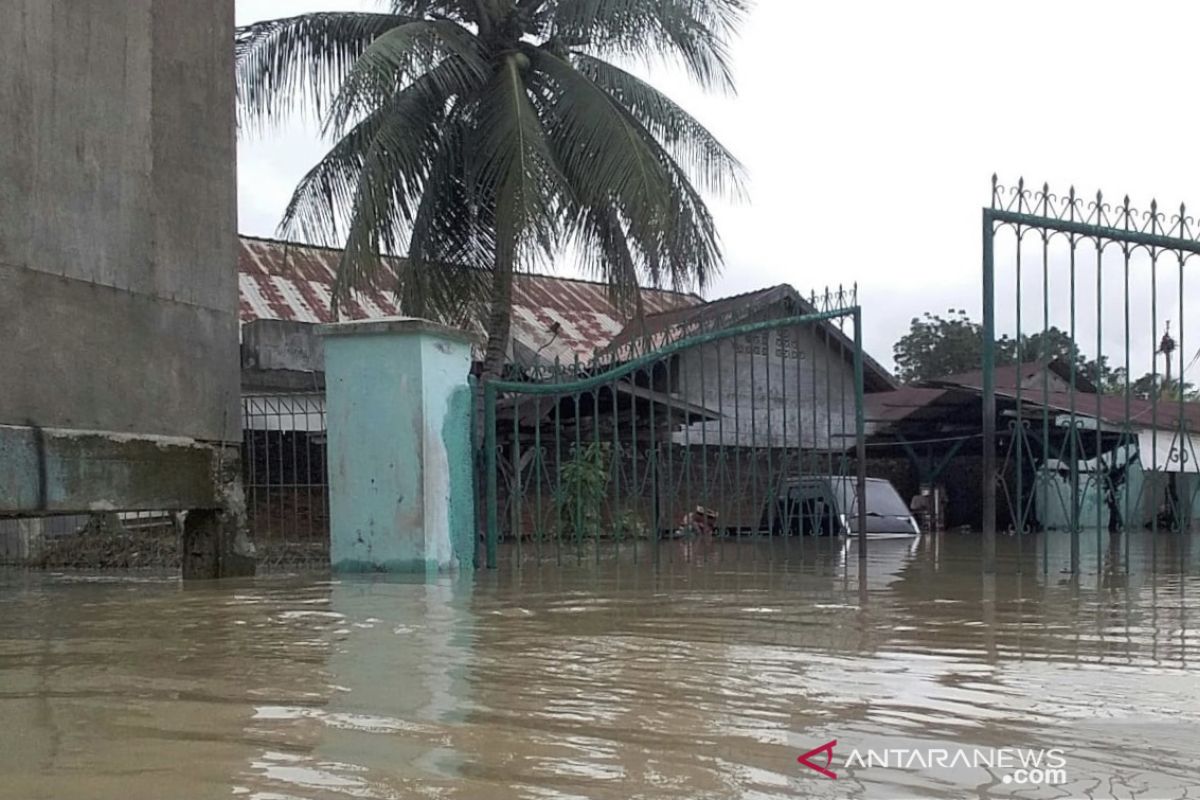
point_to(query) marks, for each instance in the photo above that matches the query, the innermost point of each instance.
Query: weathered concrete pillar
(21, 540)
(398, 407)
(215, 542)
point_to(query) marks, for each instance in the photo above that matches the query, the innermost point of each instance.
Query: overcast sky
(871, 129)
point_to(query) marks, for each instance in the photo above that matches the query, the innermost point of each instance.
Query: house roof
(1110, 408)
(1024, 374)
(913, 405)
(553, 317)
(656, 329)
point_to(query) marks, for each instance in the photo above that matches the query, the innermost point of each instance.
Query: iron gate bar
(1092, 231)
(989, 393)
(860, 435)
(591, 384)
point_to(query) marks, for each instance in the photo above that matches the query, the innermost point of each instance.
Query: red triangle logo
(827, 749)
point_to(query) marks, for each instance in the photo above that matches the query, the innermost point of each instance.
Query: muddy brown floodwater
(705, 674)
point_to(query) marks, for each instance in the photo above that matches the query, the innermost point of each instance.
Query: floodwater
(704, 674)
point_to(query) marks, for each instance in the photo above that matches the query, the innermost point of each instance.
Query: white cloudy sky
(870, 130)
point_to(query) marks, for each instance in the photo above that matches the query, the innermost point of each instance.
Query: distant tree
(937, 346)
(1112, 380)
(1056, 345)
(1151, 386)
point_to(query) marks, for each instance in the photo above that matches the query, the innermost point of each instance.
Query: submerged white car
(827, 505)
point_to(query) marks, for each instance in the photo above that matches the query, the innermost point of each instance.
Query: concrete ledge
(401, 326)
(60, 471)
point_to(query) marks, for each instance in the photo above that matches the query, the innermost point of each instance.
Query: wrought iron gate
(703, 437)
(1087, 446)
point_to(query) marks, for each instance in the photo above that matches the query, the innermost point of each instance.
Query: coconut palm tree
(496, 134)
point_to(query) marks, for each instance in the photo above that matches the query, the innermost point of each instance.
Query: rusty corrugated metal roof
(1027, 373)
(923, 404)
(1111, 408)
(911, 402)
(552, 316)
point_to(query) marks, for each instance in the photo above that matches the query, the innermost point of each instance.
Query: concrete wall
(57, 471)
(21, 539)
(118, 290)
(272, 344)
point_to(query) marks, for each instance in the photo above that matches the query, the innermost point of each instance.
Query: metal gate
(1093, 294)
(704, 437)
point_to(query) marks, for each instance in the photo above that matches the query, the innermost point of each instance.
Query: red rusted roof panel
(556, 317)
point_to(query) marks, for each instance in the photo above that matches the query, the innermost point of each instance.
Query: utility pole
(1167, 347)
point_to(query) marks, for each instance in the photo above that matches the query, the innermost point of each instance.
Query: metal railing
(285, 479)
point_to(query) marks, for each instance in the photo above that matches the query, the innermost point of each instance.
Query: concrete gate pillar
(398, 413)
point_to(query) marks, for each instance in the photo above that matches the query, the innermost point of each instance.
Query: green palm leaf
(299, 63)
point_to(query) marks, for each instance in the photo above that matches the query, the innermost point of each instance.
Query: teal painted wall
(450, 498)
(1054, 499)
(456, 433)
(1189, 497)
(1134, 510)
(1139, 498)
(399, 441)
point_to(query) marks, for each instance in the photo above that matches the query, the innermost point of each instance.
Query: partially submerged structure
(286, 292)
(117, 280)
(722, 418)
(701, 412)
(1082, 457)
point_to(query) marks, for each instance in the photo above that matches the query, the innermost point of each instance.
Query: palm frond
(453, 9)
(328, 189)
(691, 143)
(515, 169)
(394, 143)
(452, 248)
(613, 162)
(605, 254)
(375, 177)
(399, 56)
(595, 144)
(607, 159)
(695, 32)
(299, 63)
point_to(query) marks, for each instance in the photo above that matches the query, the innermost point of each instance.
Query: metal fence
(1102, 288)
(285, 479)
(708, 436)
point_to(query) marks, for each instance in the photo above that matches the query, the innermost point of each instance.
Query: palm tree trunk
(499, 321)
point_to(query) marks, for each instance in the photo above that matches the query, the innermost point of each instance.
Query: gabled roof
(655, 330)
(1026, 374)
(553, 317)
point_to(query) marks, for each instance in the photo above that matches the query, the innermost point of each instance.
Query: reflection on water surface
(702, 674)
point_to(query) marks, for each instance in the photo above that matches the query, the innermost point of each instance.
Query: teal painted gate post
(398, 408)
